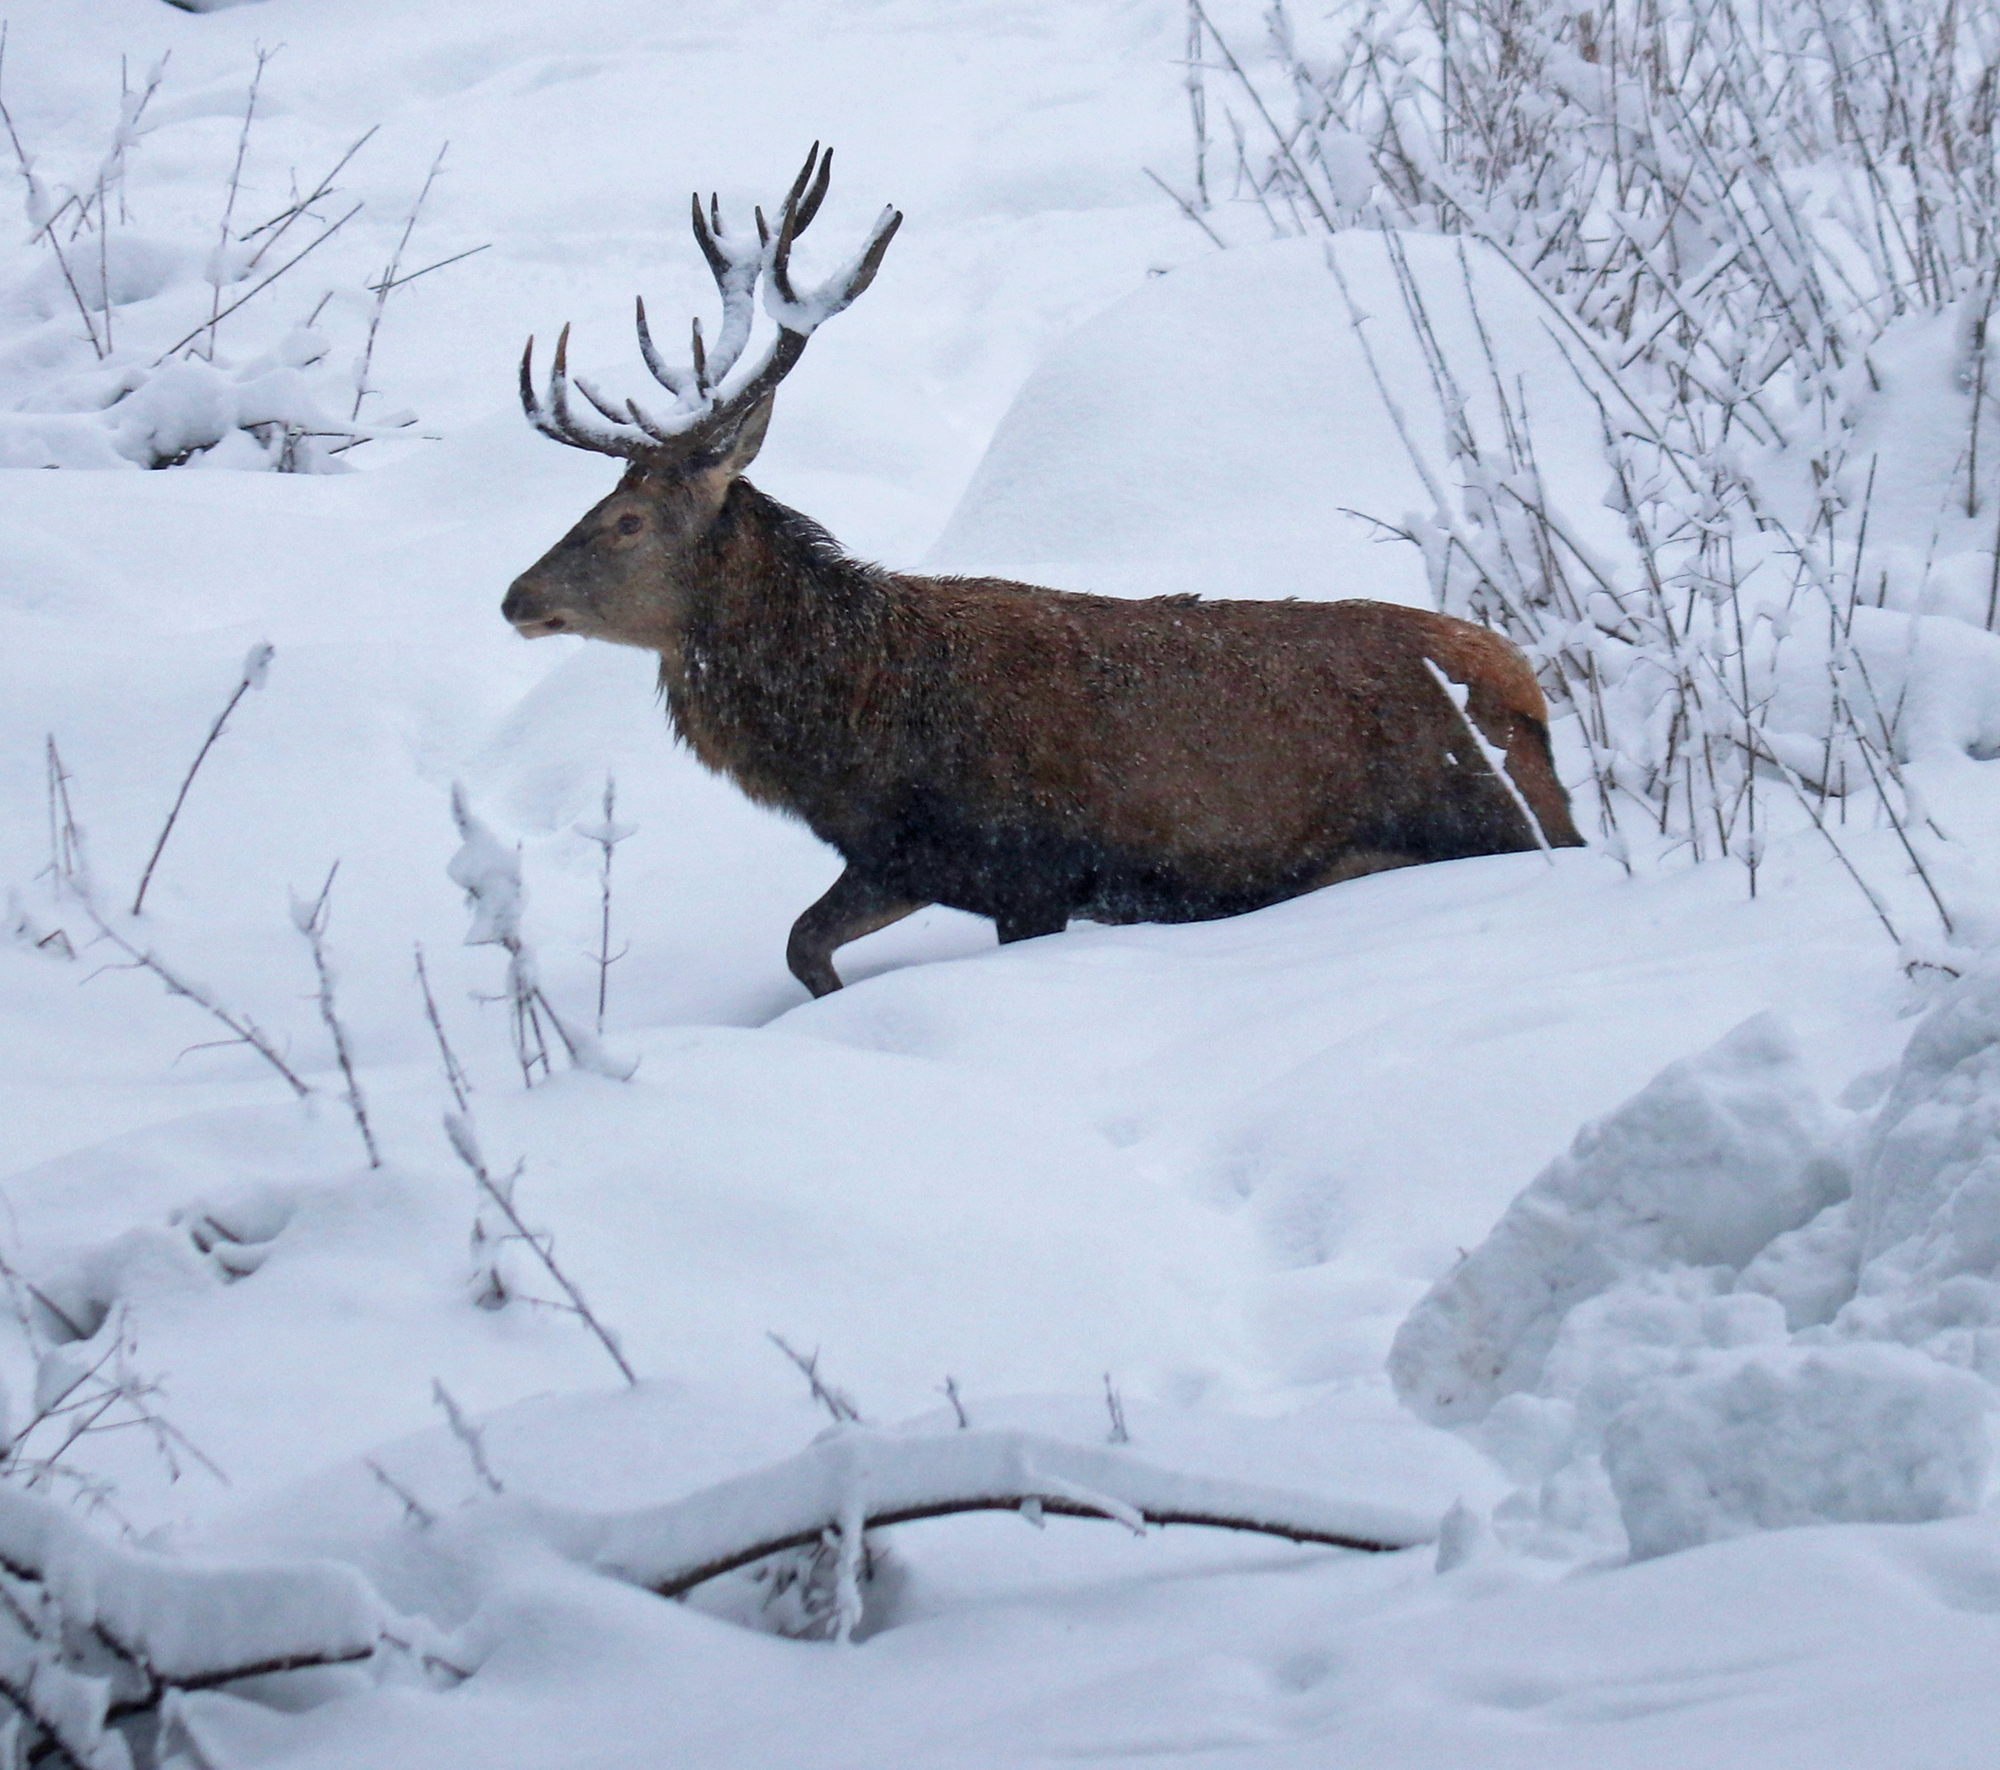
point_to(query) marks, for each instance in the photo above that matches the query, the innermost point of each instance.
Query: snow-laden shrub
(121, 346)
(1766, 241)
(1674, 1331)
(98, 1641)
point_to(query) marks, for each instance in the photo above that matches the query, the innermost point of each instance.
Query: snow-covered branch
(94, 1635)
(856, 1478)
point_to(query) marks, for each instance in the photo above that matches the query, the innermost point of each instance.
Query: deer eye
(630, 524)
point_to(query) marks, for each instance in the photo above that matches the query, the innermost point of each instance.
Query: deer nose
(529, 612)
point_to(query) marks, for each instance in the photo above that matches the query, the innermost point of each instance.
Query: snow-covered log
(852, 1475)
(93, 1634)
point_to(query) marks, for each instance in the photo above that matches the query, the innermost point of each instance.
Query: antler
(704, 418)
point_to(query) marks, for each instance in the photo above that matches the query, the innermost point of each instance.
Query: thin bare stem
(310, 920)
(255, 667)
(454, 1073)
(389, 282)
(837, 1402)
(459, 1129)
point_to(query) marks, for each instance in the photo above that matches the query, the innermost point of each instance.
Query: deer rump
(1033, 755)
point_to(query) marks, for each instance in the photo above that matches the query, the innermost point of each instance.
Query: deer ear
(717, 473)
(748, 440)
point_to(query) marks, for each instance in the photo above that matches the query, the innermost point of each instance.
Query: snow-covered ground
(1214, 1171)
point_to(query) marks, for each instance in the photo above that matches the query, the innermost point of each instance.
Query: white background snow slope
(1220, 1164)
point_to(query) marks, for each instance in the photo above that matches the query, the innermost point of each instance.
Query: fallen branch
(854, 1476)
(104, 1634)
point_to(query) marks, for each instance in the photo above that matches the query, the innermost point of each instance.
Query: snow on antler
(705, 417)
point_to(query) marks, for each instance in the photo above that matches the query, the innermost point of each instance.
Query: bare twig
(405, 280)
(413, 1508)
(39, 218)
(243, 1029)
(256, 666)
(1114, 1405)
(458, 1128)
(389, 281)
(208, 325)
(454, 1073)
(467, 1434)
(950, 1393)
(837, 1402)
(69, 873)
(607, 834)
(310, 920)
(220, 266)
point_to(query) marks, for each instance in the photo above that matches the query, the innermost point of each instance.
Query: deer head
(624, 571)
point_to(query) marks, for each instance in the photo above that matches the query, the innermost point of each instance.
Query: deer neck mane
(784, 638)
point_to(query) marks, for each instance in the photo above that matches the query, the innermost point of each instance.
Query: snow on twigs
(855, 1479)
(95, 1637)
(149, 382)
(489, 872)
(1768, 292)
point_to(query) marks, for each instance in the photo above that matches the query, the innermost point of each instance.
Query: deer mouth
(541, 626)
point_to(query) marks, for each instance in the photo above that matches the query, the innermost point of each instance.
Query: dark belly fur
(929, 851)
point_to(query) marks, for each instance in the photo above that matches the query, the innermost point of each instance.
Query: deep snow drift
(1234, 1176)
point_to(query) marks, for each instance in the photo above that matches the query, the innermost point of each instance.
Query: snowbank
(1711, 1160)
(1141, 456)
(1682, 1315)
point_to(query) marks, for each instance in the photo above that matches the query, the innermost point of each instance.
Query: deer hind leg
(853, 906)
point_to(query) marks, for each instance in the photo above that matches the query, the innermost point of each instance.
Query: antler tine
(707, 230)
(817, 195)
(596, 399)
(704, 422)
(661, 370)
(801, 205)
(872, 255)
(804, 178)
(653, 428)
(529, 404)
(803, 313)
(554, 417)
(735, 268)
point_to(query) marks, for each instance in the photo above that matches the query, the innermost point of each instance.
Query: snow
(1713, 1159)
(1854, 1433)
(1708, 1397)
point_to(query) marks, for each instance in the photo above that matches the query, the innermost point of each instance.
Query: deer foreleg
(853, 906)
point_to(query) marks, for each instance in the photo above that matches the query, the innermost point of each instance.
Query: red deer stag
(1024, 754)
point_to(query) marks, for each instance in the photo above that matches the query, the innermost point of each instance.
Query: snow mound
(1925, 1219)
(1930, 682)
(1141, 457)
(1677, 1329)
(1849, 1434)
(1703, 1167)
